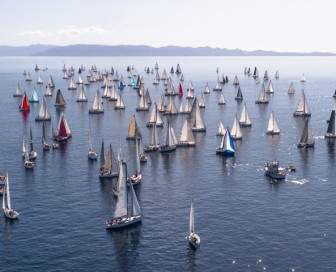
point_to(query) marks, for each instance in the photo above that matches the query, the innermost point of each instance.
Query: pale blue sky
(283, 25)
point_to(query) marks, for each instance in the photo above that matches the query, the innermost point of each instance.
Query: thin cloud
(34, 33)
(74, 30)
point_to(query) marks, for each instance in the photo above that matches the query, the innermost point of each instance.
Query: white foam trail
(300, 182)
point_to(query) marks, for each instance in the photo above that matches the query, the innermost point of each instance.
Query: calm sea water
(245, 223)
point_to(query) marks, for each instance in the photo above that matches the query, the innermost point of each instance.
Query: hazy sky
(283, 25)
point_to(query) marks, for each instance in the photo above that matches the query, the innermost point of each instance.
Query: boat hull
(224, 153)
(300, 114)
(217, 90)
(198, 129)
(124, 223)
(11, 214)
(151, 148)
(42, 119)
(261, 102)
(167, 149)
(186, 144)
(119, 108)
(96, 111)
(81, 100)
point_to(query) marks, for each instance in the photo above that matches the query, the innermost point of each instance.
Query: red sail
(62, 130)
(24, 105)
(180, 90)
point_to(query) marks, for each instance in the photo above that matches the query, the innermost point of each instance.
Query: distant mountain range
(91, 50)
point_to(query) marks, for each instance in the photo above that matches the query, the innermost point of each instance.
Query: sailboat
(207, 89)
(201, 102)
(239, 96)
(24, 103)
(182, 78)
(193, 238)
(80, 79)
(196, 119)
(113, 94)
(334, 95)
(331, 131)
(132, 128)
(142, 156)
(121, 175)
(43, 113)
(236, 81)
(97, 107)
(164, 75)
(244, 120)
(191, 86)
(24, 144)
(276, 74)
(180, 91)
(18, 92)
(291, 89)
(72, 85)
(270, 89)
(155, 118)
(136, 178)
(45, 145)
(48, 91)
(187, 137)
(235, 131)
(178, 69)
(169, 141)
(32, 153)
(65, 76)
(302, 108)
(28, 77)
(109, 168)
(266, 76)
(221, 100)
(143, 105)
(106, 93)
(262, 98)
(121, 216)
(51, 82)
(154, 143)
(255, 72)
(60, 102)
(34, 97)
(307, 139)
(221, 129)
(303, 78)
(218, 86)
(120, 103)
(171, 107)
(91, 154)
(27, 162)
(6, 202)
(63, 131)
(81, 95)
(39, 80)
(226, 147)
(273, 127)
(161, 104)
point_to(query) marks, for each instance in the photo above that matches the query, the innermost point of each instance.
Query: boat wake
(300, 182)
(318, 137)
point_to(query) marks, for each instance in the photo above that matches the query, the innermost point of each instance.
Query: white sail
(155, 137)
(188, 106)
(107, 92)
(120, 102)
(222, 99)
(190, 94)
(191, 219)
(48, 91)
(97, 103)
(137, 158)
(244, 117)
(273, 126)
(195, 118)
(262, 94)
(51, 82)
(201, 102)
(114, 94)
(164, 75)
(270, 87)
(72, 85)
(135, 204)
(18, 90)
(236, 131)
(43, 113)
(80, 79)
(207, 89)
(221, 129)
(39, 80)
(81, 95)
(191, 86)
(302, 107)
(161, 104)
(227, 143)
(303, 78)
(187, 135)
(121, 206)
(172, 137)
(236, 81)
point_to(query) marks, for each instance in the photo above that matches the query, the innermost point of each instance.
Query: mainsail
(302, 108)
(273, 127)
(59, 99)
(236, 131)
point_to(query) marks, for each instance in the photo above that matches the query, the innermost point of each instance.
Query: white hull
(123, 223)
(11, 214)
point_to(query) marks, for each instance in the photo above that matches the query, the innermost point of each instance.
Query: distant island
(92, 50)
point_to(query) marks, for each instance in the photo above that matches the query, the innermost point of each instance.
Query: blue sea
(245, 222)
